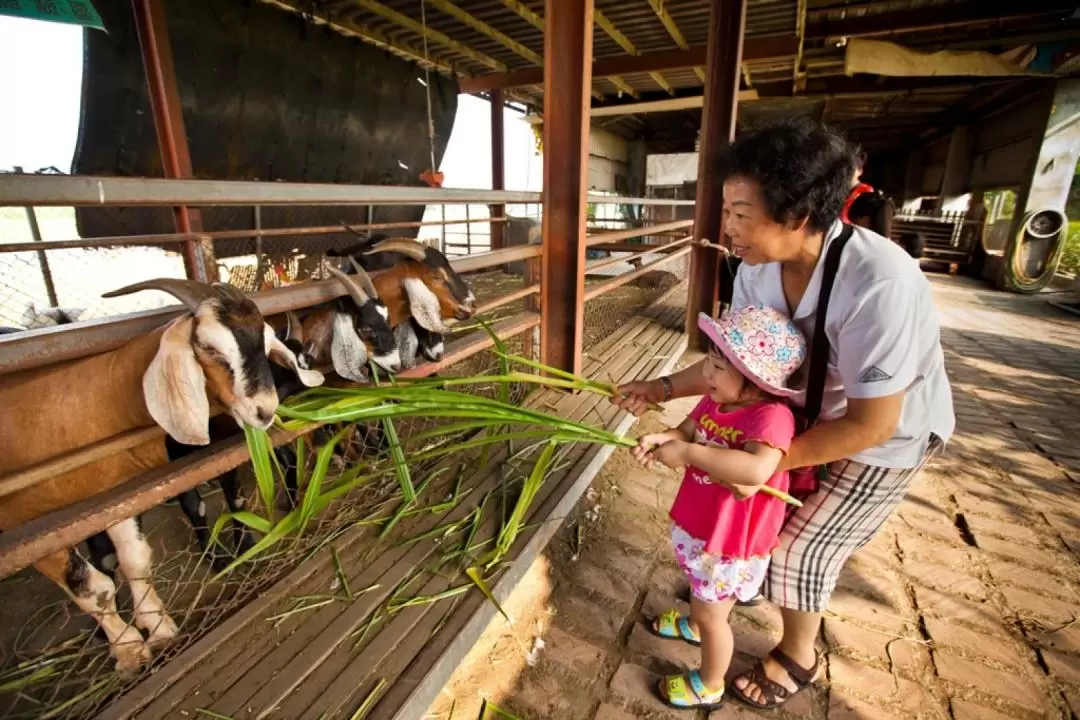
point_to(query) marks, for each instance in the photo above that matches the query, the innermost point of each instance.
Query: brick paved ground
(966, 606)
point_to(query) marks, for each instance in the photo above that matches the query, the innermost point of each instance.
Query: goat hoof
(131, 655)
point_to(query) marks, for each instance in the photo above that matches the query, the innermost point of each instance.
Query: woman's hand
(636, 397)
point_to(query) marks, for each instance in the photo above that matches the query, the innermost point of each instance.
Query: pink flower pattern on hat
(763, 344)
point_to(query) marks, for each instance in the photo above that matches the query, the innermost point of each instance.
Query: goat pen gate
(53, 665)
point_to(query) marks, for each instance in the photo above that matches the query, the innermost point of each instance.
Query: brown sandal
(773, 693)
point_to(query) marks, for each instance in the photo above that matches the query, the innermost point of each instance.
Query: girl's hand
(643, 452)
(672, 453)
(742, 492)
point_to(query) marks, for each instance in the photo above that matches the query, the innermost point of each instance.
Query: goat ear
(407, 343)
(280, 353)
(347, 351)
(174, 387)
(424, 306)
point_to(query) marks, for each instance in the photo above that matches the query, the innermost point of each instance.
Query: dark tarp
(266, 96)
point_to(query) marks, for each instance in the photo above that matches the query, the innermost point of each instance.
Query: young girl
(730, 445)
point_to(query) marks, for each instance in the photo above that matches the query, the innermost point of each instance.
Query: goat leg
(95, 594)
(135, 556)
(234, 498)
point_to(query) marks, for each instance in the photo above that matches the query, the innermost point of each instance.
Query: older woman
(885, 401)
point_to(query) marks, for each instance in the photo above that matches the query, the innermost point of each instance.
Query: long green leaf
(478, 579)
(318, 475)
(259, 446)
(401, 467)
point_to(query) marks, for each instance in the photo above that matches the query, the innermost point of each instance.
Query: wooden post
(169, 123)
(568, 49)
(498, 167)
(727, 19)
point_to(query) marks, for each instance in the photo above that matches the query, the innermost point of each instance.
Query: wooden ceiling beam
(431, 34)
(486, 30)
(753, 49)
(624, 42)
(673, 30)
(370, 35)
(538, 22)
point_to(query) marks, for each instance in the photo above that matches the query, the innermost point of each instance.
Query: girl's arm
(748, 468)
(637, 396)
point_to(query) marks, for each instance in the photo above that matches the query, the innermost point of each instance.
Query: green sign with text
(74, 12)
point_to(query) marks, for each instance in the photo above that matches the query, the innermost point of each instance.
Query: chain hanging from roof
(431, 176)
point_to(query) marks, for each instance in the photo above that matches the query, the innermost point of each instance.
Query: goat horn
(189, 292)
(355, 291)
(293, 328)
(365, 279)
(409, 248)
(354, 231)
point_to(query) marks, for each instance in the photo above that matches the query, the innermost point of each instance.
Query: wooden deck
(325, 662)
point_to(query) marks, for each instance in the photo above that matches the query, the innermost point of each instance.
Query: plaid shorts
(841, 517)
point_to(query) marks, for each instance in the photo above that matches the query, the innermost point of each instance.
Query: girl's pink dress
(727, 529)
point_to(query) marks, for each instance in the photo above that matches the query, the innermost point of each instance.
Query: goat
(421, 291)
(348, 333)
(219, 351)
(352, 330)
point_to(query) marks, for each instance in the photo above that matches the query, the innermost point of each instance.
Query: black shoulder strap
(819, 348)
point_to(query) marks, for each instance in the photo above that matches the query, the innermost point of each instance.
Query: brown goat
(418, 283)
(217, 353)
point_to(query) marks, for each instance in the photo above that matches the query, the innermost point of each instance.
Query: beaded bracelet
(668, 389)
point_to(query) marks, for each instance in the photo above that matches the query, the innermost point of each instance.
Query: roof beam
(624, 42)
(484, 29)
(753, 49)
(374, 37)
(674, 32)
(933, 17)
(538, 22)
(431, 34)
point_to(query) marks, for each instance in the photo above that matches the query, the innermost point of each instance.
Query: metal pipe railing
(597, 290)
(652, 250)
(68, 190)
(180, 238)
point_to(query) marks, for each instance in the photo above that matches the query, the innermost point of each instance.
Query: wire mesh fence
(53, 661)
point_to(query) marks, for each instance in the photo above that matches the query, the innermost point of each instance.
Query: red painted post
(169, 123)
(568, 50)
(498, 166)
(727, 20)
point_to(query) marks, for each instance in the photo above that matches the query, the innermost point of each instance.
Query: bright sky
(40, 92)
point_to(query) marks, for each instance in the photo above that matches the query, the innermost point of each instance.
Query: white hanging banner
(671, 169)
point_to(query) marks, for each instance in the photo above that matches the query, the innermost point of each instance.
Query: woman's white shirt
(884, 336)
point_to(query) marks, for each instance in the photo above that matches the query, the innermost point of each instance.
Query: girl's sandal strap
(673, 626)
(689, 692)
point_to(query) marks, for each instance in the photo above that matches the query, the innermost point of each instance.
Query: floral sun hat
(762, 344)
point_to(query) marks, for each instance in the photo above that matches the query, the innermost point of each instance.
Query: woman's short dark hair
(804, 169)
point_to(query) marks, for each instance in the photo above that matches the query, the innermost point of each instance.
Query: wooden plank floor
(324, 663)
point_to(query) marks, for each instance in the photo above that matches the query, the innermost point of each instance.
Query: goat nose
(264, 416)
